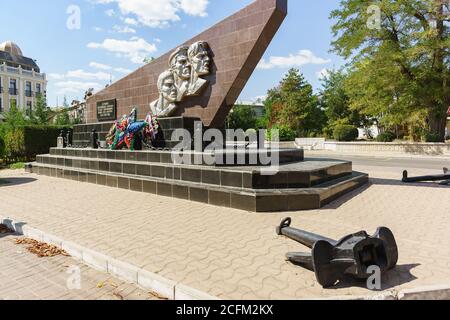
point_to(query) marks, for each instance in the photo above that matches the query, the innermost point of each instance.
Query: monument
(191, 89)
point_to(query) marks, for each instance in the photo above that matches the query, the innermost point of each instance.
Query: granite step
(294, 175)
(269, 200)
(240, 157)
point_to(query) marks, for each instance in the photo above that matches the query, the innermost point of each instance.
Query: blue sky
(114, 35)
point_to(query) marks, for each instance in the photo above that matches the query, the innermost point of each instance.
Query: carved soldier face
(181, 65)
(168, 89)
(199, 58)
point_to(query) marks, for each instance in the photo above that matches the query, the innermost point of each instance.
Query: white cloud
(123, 29)
(75, 87)
(81, 74)
(100, 66)
(97, 29)
(123, 70)
(322, 74)
(110, 12)
(130, 21)
(157, 13)
(195, 7)
(303, 57)
(135, 49)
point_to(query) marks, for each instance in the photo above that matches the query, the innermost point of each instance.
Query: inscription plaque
(107, 110)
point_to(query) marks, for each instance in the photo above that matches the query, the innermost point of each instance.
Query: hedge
(24, 143)
(386, 137)
(345, 133)
(2, 143)
(285, 133)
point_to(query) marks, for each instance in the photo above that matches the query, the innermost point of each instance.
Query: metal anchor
(352, 255)
(444, 178)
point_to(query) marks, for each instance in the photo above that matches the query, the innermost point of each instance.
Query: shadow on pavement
(393, 278)
(8, 182)
(336, 204)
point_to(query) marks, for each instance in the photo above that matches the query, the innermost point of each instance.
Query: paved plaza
(24, 276)
(233, 254)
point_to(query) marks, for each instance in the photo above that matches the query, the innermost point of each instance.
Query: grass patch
(16, 166)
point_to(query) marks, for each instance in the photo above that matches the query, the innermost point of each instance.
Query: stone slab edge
(124, 271)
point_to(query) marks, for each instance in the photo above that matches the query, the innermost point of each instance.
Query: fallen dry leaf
(156, 295)
(41, 249)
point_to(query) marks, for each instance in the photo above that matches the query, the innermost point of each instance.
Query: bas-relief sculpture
(183, 79)
(209, 71)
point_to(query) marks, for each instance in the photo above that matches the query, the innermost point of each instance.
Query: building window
(1, 85)
(1, 104)
(38, 89)
(28, 92)
(13, 87)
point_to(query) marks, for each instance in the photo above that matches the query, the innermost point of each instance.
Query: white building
(20, 79)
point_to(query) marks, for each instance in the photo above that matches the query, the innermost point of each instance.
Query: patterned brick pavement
(231, 253)
(24, 276)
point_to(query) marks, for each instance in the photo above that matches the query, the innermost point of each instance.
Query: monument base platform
(295, 185)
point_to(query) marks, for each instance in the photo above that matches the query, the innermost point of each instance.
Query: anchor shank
(306, 238)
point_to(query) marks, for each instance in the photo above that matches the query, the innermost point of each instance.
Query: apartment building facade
(21, 80)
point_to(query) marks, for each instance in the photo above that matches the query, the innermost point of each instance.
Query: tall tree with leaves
(293, 104)
(15, 117)
(63, 117)
(335, 101)
(401, 59)
(41, 113)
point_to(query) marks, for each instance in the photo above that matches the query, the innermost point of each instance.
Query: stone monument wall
(236, 45)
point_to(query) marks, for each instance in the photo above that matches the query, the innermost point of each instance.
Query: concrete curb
(379, 155)
(436, 292)
(124, 271)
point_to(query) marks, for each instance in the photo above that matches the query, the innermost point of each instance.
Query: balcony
(20, 71)
(13, 91)
(28, 93)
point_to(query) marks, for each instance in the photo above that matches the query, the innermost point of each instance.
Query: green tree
(400, 71)
(41, 113)
(63, 118)
(242, 117)
(14, 117)
(294, 105)
(335, 101)
(148, 60)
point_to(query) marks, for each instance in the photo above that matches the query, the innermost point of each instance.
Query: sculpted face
(198, 54)
(180, 64)
(168, 89)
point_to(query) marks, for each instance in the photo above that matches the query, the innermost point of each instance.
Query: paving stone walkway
(25, 276)
(234, 254)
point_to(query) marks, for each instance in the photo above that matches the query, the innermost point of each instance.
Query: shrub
(431, 137)
(386, 137)
(25, 142)
(345, 133)
(243, 117)
(285, 133)
(2, 143)
(17, 165)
